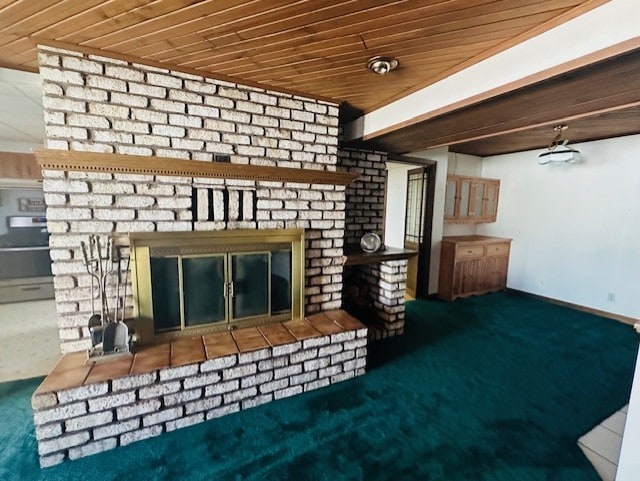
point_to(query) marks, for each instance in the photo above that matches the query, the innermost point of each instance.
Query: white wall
(575, 228)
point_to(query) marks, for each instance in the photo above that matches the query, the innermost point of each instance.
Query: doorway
(417, 232)
(409, 215)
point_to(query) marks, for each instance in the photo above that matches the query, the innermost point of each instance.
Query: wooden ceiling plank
(285, 42)
(444, 41)
(24, 53)
(207, 45)
(343, 26)
(397, 40)
(52, 16)
(338, 50)
(224, 36)
(306, 72)
(479, 16)
(188, 19)
(464, 28)
(336, 27)
(348, 62)
(107, 16)
(20, 9)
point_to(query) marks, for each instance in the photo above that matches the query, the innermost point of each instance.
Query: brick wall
(386, 285)
(385, 282)
(100, 104)
(365, 196)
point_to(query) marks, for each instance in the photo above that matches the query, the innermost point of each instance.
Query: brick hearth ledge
(85, 408)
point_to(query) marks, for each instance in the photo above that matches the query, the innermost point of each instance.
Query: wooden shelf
(355, 256)
(137, 164)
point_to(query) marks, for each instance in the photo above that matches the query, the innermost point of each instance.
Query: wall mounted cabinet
(15, 165)
(471, 200)
(472, 264)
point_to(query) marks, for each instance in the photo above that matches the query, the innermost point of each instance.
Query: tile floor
(29, 344)
(602, 444)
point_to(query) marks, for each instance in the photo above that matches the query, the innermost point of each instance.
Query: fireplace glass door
(199, 290)
(202, 278)
(194, 283)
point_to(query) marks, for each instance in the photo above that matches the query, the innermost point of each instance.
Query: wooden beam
(49, 159)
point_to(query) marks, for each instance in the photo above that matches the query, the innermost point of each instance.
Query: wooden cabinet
(470, 200)
(19, 166)
(472, 264)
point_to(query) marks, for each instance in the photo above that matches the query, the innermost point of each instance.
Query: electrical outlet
(611, 297)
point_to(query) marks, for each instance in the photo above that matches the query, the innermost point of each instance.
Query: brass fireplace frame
(142, 246)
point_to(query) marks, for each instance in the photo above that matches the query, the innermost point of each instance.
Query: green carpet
(496, 388)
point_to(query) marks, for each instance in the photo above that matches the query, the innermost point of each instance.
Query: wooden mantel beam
(49, 159)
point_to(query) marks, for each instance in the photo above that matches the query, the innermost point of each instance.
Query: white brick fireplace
(105, 105)
(138, 149)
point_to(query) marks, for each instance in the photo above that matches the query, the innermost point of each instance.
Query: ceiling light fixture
(382, 65)
(558, 151)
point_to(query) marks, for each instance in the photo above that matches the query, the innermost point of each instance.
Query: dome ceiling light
(382, 65)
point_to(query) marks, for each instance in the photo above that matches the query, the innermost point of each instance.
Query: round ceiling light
(382, 65)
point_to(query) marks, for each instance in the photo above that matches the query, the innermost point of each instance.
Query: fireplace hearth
(82, 409)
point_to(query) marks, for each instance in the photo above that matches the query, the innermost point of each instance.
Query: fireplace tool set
(109, 333)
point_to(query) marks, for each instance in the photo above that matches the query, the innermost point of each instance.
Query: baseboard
(617, 317)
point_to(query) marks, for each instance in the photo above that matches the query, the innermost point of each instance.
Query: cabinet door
(450, 198)
(476, 196)
(495, 273)
(467, 277)
(464, 186)
(490, 204)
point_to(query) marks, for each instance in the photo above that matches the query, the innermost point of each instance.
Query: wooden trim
(138, 164)
(22, 68)
(406, 159)
(424, 258)
(609, 315)
(355, 256)
(152, 63)
(586, 60)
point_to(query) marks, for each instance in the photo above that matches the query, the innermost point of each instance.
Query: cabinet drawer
(498, 249)
(463, 252)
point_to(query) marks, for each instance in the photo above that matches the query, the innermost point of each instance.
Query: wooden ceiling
(318, 47)
(601, 100)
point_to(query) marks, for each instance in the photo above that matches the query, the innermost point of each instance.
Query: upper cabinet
(470, 200)
(19, 166)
